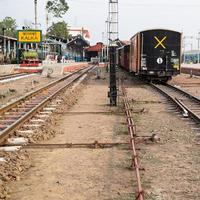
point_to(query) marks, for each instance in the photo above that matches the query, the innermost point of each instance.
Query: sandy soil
(82, 173)
(171, 165)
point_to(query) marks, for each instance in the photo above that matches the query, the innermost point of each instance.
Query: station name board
(29, 36)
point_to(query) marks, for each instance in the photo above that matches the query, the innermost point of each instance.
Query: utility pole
(113, 37)
(102, 53)
(107, 39)
(35, 2)
(198, 39)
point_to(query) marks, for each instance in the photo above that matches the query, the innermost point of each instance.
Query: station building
(95, 51)
(8, 51)
(72, 48)
(191, 57)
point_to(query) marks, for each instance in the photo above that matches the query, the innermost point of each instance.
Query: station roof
(7, 37)
(192, 52)
(96, 48)
(78, 41)
(74, 41)
(84, 32)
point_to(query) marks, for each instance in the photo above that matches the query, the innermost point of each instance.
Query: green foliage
(57, 7)
(58, 29)
(10, 27)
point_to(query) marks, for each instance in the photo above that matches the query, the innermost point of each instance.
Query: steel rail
(190, 113)
(187, 112)
(34, 93)
(132, 133)
(184, 93)
(43, 101)
(172, 99)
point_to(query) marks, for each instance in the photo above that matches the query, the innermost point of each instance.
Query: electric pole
(35, 2)
(198, 39)
(113, 37)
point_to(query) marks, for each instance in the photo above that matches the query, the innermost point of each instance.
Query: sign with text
(29, 36)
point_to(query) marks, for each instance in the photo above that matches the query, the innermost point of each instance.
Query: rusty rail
(132, 132)
(94, 145)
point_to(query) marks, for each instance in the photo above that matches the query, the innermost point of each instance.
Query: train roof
(155, 30)
(122, 47)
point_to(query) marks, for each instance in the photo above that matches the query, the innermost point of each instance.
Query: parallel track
(11, 76)
(13, 116)
(188, 104)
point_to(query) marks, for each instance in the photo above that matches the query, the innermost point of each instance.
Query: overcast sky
(135, 15)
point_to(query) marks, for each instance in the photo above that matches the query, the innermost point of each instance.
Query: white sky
(135, 15)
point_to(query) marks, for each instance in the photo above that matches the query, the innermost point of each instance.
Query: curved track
(13, 116)
(188, 104)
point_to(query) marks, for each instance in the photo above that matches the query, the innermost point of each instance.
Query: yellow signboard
(29, 36)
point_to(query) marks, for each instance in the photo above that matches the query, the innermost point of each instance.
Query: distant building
(71, 48)
(192, 56)
(75, 31)
(7, 49)
(95, 51)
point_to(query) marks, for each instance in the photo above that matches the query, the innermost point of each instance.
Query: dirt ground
(82, 174)
(190, 84)
(172, 165)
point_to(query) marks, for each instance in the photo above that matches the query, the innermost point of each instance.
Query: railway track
(12, 76)
(188, 104)
(14, 115)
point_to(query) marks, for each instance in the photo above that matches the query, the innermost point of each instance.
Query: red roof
(98, 47)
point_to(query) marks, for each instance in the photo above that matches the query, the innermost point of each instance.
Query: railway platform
(57, 68)
(192, 69)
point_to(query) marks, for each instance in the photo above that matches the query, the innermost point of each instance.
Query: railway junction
(60, 141)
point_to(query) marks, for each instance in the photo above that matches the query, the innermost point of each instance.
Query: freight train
(154, 54)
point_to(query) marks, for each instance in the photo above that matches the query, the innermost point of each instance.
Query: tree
(57, 7)
(59, 30)
(9, 25)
